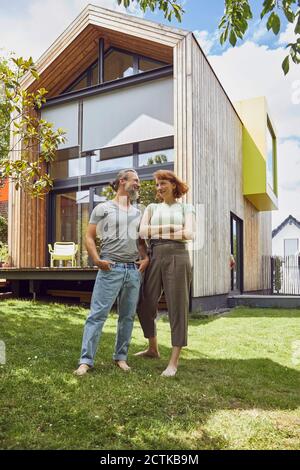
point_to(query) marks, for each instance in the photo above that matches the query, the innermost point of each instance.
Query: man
(116, 222)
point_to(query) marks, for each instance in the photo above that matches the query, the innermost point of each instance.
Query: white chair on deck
(63, 251)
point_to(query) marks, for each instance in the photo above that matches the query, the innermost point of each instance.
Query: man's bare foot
(82, 370)
(148, 353)
(122, 365)
(170, 371)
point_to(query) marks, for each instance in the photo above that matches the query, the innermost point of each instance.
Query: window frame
(88, 71)
(157, 145)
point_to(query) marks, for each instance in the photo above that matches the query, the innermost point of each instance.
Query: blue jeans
(122, 281)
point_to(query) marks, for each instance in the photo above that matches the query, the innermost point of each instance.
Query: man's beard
(133, 194)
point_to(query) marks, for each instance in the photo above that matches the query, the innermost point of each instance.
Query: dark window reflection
(68, 168)
(156, 158)
(72, 217)
(148, 64)
(117, 65)
(113, 164)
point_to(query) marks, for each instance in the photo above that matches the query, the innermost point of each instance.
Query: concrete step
(264, 301)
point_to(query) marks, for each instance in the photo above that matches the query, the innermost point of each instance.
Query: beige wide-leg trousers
(169, 271)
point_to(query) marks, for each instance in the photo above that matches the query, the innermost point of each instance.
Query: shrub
(4, 256)
(3, 229)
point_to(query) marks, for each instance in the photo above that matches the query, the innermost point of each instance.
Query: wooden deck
(34, 281)
(37, 276)
(67, 274)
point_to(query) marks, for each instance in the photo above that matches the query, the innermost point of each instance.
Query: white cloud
(206, 40)
(36, 28)
(289, 165)
(258, 31)
(252, 70)
(288, 35)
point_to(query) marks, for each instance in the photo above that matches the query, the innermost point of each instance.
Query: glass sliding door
(71, 220)
(100, 194)
(72, 214)
(236, 231)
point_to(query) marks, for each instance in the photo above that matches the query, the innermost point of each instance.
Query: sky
(252, 68)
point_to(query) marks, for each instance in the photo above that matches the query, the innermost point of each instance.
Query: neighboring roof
(107, 20)
(289, 220)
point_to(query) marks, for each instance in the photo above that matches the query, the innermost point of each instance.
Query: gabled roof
(289, 220)
(94, 22)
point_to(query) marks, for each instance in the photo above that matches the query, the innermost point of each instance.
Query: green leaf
(224, 35)
(297, 27)
(290, 15)
(276, 23)
(35, 74)
(268, 6)
(232, 38)
(270, 22)
(222, 22)
(239, 34)
(286, 65)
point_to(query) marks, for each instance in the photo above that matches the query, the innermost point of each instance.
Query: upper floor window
(148, 64)
(69, 164)
(117, 64)
(271, 156)
(156, 158)
(291, 246)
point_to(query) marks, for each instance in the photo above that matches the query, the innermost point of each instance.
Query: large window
(74, 199)
(148, 64)
(112, 164)
(117, 64)
(156, 158)
(68, 168)
(112, 159)
(291, 246)
(87, 79)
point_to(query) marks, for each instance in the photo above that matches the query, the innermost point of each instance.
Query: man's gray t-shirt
(118, 230)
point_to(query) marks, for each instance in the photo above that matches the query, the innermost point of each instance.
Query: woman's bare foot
(170, 371)
(148, 353)
(82, 370)
(123, 365)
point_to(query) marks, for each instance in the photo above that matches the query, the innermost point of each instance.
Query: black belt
(154, 243)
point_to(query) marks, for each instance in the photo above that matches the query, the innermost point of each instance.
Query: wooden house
(127, 89)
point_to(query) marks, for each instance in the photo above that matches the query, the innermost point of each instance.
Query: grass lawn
(237, 387)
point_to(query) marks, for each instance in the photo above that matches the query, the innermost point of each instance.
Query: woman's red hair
(181, 187)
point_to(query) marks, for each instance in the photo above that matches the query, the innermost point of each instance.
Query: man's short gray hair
(123, 174)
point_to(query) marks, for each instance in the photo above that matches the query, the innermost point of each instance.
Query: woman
(168, 225)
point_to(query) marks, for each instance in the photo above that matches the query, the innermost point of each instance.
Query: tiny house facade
(135, 94)
(286, 238)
